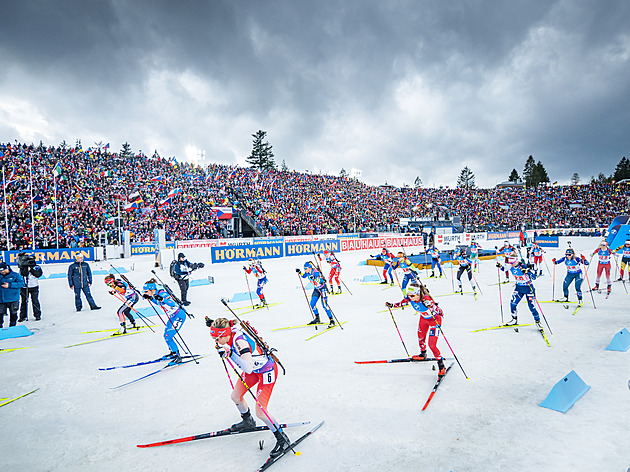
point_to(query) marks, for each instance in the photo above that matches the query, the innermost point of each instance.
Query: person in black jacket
(181, 271)
(80, 280)
(31, 272)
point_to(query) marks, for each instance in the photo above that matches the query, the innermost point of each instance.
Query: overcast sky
(398, 89)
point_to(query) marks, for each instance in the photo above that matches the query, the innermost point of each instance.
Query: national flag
(131, 206)
(232, 174)
(164, 203)
(223, 213)
(57, 170)
(157, 178)
(174, 192)
(106, 146)
(134, 197)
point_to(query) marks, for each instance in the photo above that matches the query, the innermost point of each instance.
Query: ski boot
(620, 279)
(282, 444)
(538, 325)
(123, 329)
(392, 283)
(441, 368)
(580, 301)
(596, 288)
(133, 325)
(339, 288)
(565, 299)
(420, 357)
(384, 282)
(247, 424)
(432, 274)
(315, 321)
(441, 275)
(176, 359)
(460, 290)
(331, 324)
(513, 321)
(608, 290)
(170, 355)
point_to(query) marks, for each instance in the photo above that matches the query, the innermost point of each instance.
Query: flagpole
(30, 172)
(56, 220)
(6, 213)
(119, 241)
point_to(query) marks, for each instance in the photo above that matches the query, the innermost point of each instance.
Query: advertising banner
(242, 253)
(309, 247)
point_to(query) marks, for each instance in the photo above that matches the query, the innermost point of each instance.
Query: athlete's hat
(413, 289)
(220, 332)
(149, 286)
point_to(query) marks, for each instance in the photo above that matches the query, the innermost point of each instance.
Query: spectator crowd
(82, 193)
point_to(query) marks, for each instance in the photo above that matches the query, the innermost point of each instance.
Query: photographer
(180, 270)
(31, 272)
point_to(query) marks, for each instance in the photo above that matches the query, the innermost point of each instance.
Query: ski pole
(277, 425)
(227, 373)
(325, 303)
(344, 284)
(476, 283)
(553, 286)
(449, 344)
(545, 261)
(531, 287)
(399, 335)
(589, 286)
(248, 290)
(500, 296)
(306, 297)
(452, 281)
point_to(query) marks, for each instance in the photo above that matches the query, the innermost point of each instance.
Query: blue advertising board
(52, 256)
(245, 252)
(547, 241)
(502, 234)
(147, 248)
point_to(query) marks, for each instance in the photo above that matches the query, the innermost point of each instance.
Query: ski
(394, 308)
(555, 301)
(15, 349)
(542, 333)
(580, 305)
(435, 387)
(452, 293)
(300, 326)
(256, 307)
(392, 361)
(499, 283)
(273, 460)
(326, 330)
(163, 358)
(161, 369)
(7, 401)
(114, 329)
(112, 336)
(215, 434)
(503, 326)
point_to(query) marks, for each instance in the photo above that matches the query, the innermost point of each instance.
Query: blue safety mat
(242, 296)
(197, 283)
(19, 331)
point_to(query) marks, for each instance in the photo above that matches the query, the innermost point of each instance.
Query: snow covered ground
(372, 413)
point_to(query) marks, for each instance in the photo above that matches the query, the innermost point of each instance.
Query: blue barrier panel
(547, 241)
(371, 278)
(307, 248)
(245, 252)
(199, 282)
(52, 256)
(620, 342)
(19, 331)
(565, 393)
(243, 296)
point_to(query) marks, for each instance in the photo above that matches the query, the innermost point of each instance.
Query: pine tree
(343, 173)
(466, 179)
(156, 155)
(622, 171)
(125, 152)
(528, 172)
(514, 177)
(262, 154)
(284, 167)
(540, 174)
(575, 178)
(418, 182)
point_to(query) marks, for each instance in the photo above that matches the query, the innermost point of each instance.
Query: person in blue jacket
(80, 280)
(176, 316)
(10, 285)
(574, 272)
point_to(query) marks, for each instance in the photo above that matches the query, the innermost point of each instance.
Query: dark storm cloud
(398, 89)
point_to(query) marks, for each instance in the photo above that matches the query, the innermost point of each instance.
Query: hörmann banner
(52, 256)
(309, 247)
(242, 253)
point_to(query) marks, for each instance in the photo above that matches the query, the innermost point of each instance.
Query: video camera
(26, 260)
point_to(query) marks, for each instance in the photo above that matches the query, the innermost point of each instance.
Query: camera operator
(180, 270)
(31, 272)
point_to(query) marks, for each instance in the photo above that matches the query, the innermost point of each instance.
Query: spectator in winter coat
(10, 284)
(80, 280)
(31, 272)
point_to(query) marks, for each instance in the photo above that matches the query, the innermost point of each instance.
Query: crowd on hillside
(82, 193)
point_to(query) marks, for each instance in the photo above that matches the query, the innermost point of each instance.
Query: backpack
(171, 270)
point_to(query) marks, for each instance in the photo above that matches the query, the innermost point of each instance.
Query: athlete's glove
(583, 258)
(148, 297)
(244, 268)
(111, 292)
(223, 354)
(158, 297)
(208, 322)
(298, 271)
(389, 305)
(190, 315)
(553, 260)
(499, 265)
